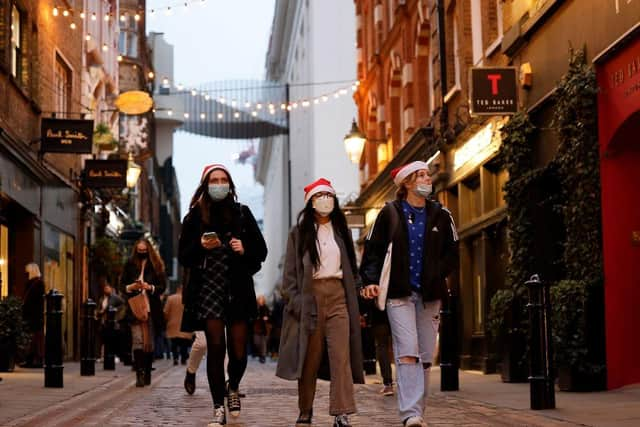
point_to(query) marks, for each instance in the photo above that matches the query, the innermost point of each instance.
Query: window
(128, 42)
(16, 42)
(453, 58)
(491, 25)
(62, 84)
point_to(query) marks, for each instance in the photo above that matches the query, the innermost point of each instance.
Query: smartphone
(210, 235)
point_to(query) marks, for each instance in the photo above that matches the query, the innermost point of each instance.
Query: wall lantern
(133, 172)
(354, 143)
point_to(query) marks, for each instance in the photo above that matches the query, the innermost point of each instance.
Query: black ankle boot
(148, 360)
(138, 367)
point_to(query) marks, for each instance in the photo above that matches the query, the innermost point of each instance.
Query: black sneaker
(190, 382)
(341, 421)
(219, 417)
(233, 403)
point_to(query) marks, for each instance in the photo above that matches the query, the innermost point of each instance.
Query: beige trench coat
(300, 313)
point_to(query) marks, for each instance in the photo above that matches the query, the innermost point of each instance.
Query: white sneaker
(219, 417)
(414, 422)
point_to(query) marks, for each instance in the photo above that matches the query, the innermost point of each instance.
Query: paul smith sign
(66, 136)
(105, 173)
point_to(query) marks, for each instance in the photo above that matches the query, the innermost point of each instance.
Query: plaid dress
(214, 292)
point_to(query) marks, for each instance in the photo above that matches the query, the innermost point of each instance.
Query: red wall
(619, 133)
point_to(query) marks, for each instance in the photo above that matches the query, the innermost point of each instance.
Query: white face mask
(423, 190)
(323, 205)
(218, 192)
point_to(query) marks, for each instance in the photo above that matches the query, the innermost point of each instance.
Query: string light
(186, 115)
(305, 103)
(259, 106)
(136, 16)
(170, 113)
(203, 116)
(236, 115)
(65, 13)
(105, 47)
(122, 17)
(119, 58)
(94, 16)
(72, 25)
(220, 116)
(83, 15)
(107, 18)
(55, 11)
(87, 37)
(254, 113)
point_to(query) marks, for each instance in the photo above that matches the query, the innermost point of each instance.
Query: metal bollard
(109, 340)
(88, 347)
(541, 381)
(449, 363)
(53, 341)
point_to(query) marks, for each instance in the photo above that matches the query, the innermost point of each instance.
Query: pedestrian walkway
(111, 399)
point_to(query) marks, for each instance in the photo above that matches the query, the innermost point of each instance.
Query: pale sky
(220, 40)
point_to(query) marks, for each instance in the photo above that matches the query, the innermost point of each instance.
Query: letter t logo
(494, 78)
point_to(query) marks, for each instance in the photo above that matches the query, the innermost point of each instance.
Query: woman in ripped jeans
(424, 252)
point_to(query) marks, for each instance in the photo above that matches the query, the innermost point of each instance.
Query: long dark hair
(202, 200)
(309, 233)
(154, 257)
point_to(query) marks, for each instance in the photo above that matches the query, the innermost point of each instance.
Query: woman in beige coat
(321, 281)
(180, 341)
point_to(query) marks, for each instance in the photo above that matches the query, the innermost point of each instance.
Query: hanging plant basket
(103, 138)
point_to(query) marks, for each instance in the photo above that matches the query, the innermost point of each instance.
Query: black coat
(242, 297)
(440, 251)
(129, 275)
(33, 305)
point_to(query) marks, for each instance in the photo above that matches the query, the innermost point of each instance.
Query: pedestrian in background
(180, 341)
(424, 252)
(222, 246)
(144, 273)
(109, 299)
(33, 315)
(321, 280)
(261, 328)
(276, 324)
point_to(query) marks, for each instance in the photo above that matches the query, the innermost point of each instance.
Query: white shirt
(330, 265)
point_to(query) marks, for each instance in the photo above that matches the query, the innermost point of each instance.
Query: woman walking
(33, 314)
(424, 252)
(321, 280)
(223, 248)
(261, 326)
(144, 274)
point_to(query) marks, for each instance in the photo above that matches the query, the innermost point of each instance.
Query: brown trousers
(332, 324)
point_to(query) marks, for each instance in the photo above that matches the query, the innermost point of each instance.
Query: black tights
(236, 346)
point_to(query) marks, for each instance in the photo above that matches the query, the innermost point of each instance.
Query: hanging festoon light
(55, 11)
(65, 13)
(83, 15)
(72, 25)
(220, 116)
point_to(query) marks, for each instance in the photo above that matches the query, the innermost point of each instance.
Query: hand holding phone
(210, 240)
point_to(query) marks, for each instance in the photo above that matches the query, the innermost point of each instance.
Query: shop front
(475, 197)
(618, 73)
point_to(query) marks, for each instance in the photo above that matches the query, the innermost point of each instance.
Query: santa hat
(399, 174)
(211, 167)
(319, 186)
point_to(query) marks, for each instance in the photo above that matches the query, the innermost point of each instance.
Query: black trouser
(382, 336)
(180, 346)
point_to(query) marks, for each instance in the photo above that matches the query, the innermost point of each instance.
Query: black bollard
(53, 341)
(109, 340)
(541, 381)
(449, 363)
(88, 348)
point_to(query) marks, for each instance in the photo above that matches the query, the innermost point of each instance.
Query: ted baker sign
(494, 91)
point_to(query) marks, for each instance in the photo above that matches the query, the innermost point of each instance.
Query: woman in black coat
(144, 272)
(33, 314)
(222, 248)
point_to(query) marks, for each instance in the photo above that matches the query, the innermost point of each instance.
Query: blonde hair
(33, 270)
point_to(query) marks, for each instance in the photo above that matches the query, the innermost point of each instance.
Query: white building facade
(312, 48)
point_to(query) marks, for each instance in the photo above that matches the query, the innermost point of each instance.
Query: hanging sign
(494, 91)
(105, 173)
(66, 136)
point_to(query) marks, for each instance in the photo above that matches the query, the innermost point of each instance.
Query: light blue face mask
(423, 190)
(218, 191)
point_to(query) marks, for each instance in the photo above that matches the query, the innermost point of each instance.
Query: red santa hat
(211, 167)
(399, 174)
(319, 186)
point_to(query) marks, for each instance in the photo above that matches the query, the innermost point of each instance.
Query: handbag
(381, 301)
(139, 304)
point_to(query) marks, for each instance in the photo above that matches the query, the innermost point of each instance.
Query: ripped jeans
(414, 329)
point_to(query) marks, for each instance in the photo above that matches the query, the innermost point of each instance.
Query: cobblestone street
(269, 402)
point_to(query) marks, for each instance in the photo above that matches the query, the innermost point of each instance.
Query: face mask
(423, 190)
(323, 205)
(142, 255)
(218, 191)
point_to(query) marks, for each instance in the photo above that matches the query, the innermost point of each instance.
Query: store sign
(105, 173)
(480, 145)
(494, 91)
(66, 136)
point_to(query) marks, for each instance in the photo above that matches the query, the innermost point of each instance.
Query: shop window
(59, 274)
(4, 261)
(62, 83)
(470, 199)
(16, 42)
(493, 179)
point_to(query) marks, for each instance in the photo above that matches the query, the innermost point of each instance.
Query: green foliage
(13, 328)
(107, 259)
